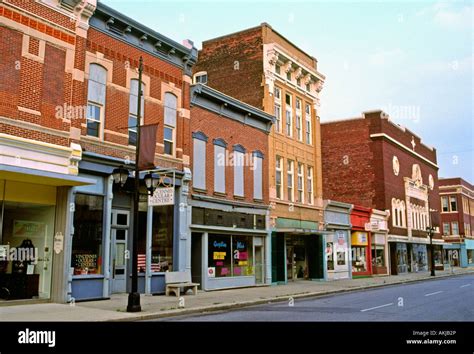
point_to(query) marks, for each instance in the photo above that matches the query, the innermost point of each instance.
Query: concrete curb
(234, 305)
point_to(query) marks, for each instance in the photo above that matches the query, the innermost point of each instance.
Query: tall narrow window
(289, 116)
(133, 110)
(96, 100)
(278, 69)
(290, 178)
(171, 106)
(309, 128)
(219, 165)
(277, 95)
(309, 185)
(455, 227)
(446, 228)
(453, 203)
(238, 162)
(279, 178)
(300, 183)
(288, 75)
(199, 160)
(257, 175)
(444, 204)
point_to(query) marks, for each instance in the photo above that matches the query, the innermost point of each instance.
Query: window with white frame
(455, 227)
(309, 185)
(289, 115)
(277, 94)
(199, 160)
(309, 128)
(290, 180)
(444, 204)
(96, 89)
(171, 107)
(279, 177)
(453, 204)
(288, 75)
(219, 165)
(300, 183)
(299, 123)
(446, 229)
(257, 175)
(398, 213)
(238, 163)
(200, 77)
(133, 110)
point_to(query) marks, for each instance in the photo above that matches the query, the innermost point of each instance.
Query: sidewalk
(163, 306)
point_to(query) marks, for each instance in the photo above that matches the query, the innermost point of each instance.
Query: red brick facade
(358, 164)
(44, 65)
(215, 126)
(463, 193)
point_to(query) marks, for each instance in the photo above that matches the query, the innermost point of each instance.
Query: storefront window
(470, 256)
(341, 257)
(220, 255)
(242, 255)
(230, 256)
(359, 259)
(162, 239)
(87, 240)
(378, 255)
(330, 255)
(26, 255)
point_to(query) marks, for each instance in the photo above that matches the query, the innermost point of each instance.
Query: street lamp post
(134, 296)
(430, 230)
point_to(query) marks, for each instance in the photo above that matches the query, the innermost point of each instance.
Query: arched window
(96, 89)
(171, 107)
(133, 110)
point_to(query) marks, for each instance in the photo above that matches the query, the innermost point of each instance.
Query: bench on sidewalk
(175, 281)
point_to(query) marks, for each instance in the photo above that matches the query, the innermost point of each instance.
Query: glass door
(119, 253)
(259, 268)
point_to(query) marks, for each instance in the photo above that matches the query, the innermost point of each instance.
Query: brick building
(372, 162)
(68, 107)
(457, 220)
(229, 196)
(264, 69)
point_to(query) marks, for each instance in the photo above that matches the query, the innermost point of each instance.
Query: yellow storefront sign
(359, 238)
(219, 255)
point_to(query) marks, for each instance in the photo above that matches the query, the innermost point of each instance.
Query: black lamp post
(431, 230)
(120, 176)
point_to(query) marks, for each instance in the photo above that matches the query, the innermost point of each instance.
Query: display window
(26, 250)
(359, 259)
(378, 255)
(87, 245)
(470, 256)
(330, 255)
(230, 255)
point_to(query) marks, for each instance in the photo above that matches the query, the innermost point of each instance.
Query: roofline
(255, 112)
(101, 7)
(263, 24)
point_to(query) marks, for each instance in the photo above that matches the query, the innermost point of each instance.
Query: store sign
(211, 272)
(359, 239)
(162, 196)
(58, 242)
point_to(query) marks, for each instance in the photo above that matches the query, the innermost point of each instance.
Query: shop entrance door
(118, 251)
(290, 262)
(259, 268)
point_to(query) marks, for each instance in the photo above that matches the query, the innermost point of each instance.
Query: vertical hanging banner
(146, 160)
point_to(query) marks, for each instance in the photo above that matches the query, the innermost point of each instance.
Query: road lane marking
(376, 307)
(463, 286)
(437, 292)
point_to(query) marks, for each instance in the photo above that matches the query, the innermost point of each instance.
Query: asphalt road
(446, 299)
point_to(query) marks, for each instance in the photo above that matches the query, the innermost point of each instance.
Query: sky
(413, 59)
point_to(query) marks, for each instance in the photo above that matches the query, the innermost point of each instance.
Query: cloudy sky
(414, 59)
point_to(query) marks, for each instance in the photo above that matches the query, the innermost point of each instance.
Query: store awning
(296, 231)
(28, 175)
